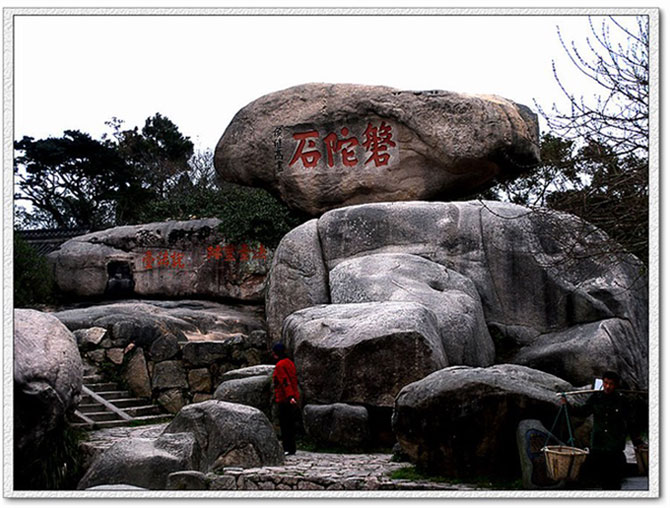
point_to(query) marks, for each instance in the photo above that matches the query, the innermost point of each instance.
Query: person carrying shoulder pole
(613, 421)
(285, 381)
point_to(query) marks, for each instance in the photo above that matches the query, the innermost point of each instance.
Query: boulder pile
(375, 301)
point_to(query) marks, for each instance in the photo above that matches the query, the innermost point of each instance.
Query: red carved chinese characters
(345, 145)
(177, 260)
(214, 252)
(226, 253)
(148, 260)
(162, 260)
(260, 252)
(244, 252)
(229, 253)
(309, 159)
(378, 141)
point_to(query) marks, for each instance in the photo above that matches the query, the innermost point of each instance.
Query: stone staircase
(104, 405)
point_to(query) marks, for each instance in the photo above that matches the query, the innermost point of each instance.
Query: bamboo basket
(564, 462)
(642, 459)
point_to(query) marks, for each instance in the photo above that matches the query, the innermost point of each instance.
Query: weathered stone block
(169, 374)
(200, 380)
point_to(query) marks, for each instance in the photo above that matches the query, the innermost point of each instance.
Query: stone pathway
(324, 471)
(302, 471)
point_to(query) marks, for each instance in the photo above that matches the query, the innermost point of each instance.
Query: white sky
(76, 72)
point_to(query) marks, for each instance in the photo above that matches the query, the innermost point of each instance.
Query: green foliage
(157, 155)
(57, 468)
(247, 214)
(136, 176)
(73, 179)
(77, 181)
(591, 181)
(33, 277)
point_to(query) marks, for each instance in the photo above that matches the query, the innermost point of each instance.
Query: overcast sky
(76, 72)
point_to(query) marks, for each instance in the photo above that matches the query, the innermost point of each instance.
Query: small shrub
(33, 277)
(56, 466)
(247, 214)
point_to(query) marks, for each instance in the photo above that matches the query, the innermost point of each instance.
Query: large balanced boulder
(143, 462)
(161, 259)
(537, 272)
(228, 435)
(462, 421)
(362, 353)
(47, 382)
(452, 298)
(320, 146)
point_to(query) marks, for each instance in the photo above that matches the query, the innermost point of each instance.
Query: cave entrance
(119, 279)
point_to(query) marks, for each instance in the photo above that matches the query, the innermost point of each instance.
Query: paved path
(325, 471)
(302, 471)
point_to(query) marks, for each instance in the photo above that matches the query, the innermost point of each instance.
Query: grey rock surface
(254, 391)
(172, 399)
(253, 371)
(145, 321)
(337, 424)
(536, 271)
(160, 259)
(362, 353)
(88, 338)
(320, 146)
(451, 297)
(187, 480)
(468, 417)
(228, 434)
(583, 352)
(143, 462)
(47, 379)
(298, 277)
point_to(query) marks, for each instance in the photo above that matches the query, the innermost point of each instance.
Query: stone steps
(140, 420)
(93, 414)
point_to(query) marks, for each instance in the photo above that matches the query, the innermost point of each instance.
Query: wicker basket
(642, 458)
(564, 462)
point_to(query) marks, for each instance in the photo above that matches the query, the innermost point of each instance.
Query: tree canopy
(135, 176)
(77, 181)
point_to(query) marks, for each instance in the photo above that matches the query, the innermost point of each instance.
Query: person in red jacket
(285, 382)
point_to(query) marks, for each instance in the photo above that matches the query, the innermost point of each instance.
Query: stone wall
(177, 373)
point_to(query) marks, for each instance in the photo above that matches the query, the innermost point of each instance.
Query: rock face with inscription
(161, 259)
(322, 146)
